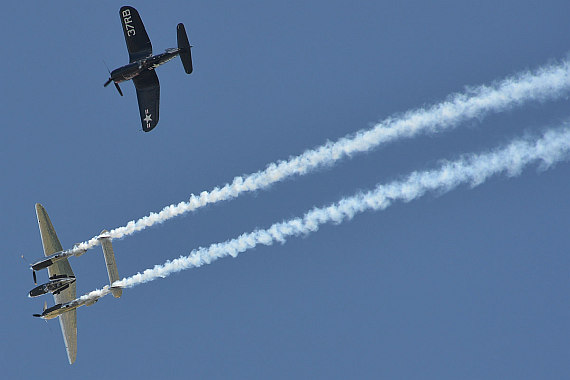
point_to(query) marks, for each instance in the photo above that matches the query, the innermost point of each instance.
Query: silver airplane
(62, 281)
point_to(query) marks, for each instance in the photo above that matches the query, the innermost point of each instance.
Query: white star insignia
(147, 118)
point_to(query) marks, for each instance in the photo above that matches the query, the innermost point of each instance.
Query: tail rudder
(184, 46)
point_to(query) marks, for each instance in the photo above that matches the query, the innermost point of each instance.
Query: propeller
(110, 80)
(116, 85)
(40, 315)
(33, 271)
(109, 71)
(118, 88)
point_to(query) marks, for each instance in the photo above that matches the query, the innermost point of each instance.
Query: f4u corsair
(142, 64)
(62, 281)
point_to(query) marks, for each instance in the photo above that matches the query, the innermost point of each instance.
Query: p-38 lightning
(62, 281)
(142, 64)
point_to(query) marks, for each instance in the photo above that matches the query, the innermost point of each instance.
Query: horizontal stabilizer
(110, 261)
(184, 46)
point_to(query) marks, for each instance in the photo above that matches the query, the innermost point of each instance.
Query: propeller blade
(108, 82)
(105, 63)
(118, 88)
(45, 305)
(37, 315)
(33, 271)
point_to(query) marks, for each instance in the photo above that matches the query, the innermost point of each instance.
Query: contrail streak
(552, 147)
(549, 82)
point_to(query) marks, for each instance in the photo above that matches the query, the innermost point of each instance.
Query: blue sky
(470, 284)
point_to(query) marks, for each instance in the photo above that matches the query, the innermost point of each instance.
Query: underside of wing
(148, 95)
(138, 43)
(68, 323)
(51, 244)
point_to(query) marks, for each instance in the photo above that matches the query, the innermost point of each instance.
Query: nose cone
(35, 292)
(116, 73)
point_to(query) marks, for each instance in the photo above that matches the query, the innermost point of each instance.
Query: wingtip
(71, 356)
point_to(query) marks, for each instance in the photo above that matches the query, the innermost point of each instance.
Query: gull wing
(51, 244)
(148, 95)
(138, 43)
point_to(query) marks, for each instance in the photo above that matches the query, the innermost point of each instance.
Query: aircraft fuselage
(55, 286)
(133, 69)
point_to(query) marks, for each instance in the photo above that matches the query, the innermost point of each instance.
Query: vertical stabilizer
(110, 261)
(184, 46)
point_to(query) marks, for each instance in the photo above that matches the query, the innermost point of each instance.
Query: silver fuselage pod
(109, 254)
(56, 285)
(59, 309)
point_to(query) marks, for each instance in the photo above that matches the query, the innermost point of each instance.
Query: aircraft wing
(138, 43)
(51, 244)
(148, 95)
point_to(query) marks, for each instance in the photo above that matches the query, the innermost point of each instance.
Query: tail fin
(184, 46)
(110, 261)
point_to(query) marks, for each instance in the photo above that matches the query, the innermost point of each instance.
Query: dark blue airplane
(142, 64)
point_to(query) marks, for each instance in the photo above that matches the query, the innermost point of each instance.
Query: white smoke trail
(554, 146)
(546, 83)
(96, 294)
